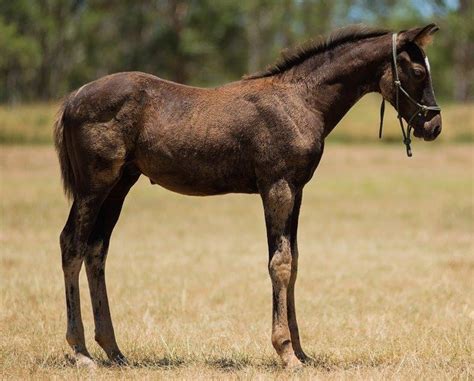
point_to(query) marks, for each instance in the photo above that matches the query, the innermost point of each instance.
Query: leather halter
(421, 109)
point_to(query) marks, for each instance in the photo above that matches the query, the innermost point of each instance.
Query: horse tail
(64, 153)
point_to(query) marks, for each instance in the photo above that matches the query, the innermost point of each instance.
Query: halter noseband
(421, 109)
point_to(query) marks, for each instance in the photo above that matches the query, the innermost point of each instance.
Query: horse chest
(296, 160)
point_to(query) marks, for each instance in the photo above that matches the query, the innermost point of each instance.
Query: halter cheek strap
(421, 109)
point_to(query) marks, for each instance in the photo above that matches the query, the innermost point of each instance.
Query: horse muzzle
(430, 129)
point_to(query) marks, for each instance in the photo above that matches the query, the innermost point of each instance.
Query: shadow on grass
(229, 363)
(325, 362)
(67, 361)
(167, 362)
(321, 362)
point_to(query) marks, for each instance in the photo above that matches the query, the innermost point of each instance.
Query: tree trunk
(178, 10)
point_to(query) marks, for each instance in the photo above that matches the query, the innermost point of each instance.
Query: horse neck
(332, 82)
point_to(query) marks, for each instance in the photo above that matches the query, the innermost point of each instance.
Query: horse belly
(191, 174)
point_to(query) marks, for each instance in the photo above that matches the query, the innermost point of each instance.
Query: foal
(264, 134)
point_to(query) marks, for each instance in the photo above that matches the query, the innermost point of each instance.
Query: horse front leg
(278, 202)
(292, 322)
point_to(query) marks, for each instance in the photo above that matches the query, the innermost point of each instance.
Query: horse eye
(419, 73)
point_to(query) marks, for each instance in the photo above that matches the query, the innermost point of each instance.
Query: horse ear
(425, 37)
(420, 36)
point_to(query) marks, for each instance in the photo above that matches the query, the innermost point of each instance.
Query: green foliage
(50, 47)
(18, 60)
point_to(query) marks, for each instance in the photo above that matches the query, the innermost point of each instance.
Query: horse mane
(294, 56)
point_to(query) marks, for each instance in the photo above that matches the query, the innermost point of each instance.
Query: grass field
(385, 288)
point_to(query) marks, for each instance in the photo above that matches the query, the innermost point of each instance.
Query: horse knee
(280, 265)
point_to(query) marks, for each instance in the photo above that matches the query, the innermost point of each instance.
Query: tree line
(49, 47)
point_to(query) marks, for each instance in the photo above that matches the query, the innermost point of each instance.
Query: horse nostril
(437, 130)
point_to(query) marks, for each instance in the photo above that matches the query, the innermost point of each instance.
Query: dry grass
(27, 123)
(385, 289)
(31, 123)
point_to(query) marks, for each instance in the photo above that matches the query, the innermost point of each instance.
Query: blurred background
(50, 47)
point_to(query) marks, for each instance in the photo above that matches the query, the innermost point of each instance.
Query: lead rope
(406, 135)
(382, 112)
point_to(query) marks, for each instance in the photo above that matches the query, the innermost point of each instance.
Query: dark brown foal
(264, 134)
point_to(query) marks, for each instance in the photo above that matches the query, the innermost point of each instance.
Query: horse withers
(263, 134)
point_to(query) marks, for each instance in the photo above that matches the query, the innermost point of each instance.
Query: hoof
(83, 361)
(293, 363)
(305, 359)
(119, 359)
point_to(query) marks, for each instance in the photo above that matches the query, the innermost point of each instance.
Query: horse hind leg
(98, 169)
(72, 240)
(95, 259)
